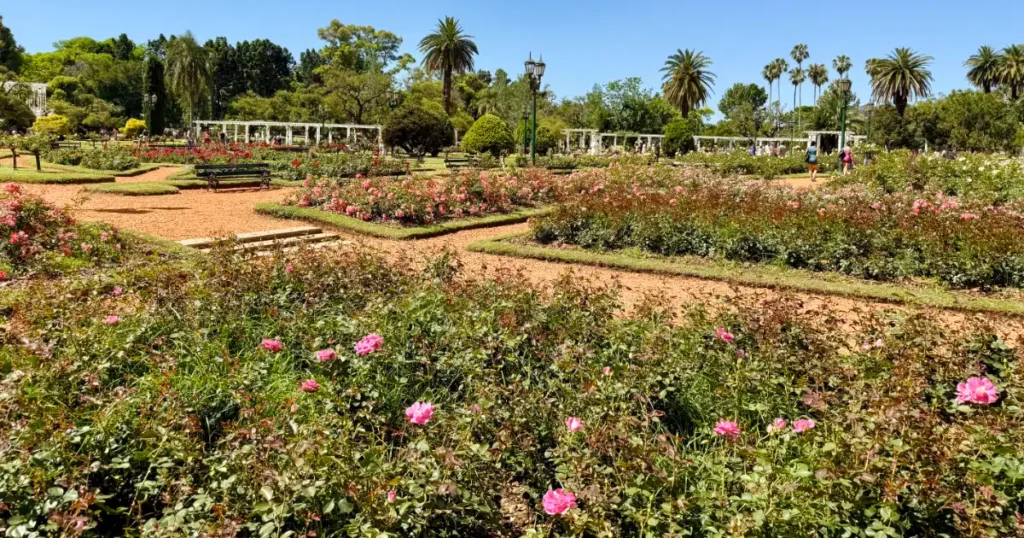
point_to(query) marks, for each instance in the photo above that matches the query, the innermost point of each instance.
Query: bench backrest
(218, 167)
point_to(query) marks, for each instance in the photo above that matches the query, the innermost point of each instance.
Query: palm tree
(1011, 71)
(768, 73)
(188, 70)
(448, 51)
(842, 64)
(796, 77)
(687, 81)
(781, 68)
(799, 54)
(818, 74)
(984, 68)
(900, 76)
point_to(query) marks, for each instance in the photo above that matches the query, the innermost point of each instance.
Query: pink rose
(391, 496)
(288, 268)
(727, 428)
(802, 425)
(310, 385)
(117, 291)
(607, 370)
(370, 343)
(3, 275)
(272, 345)
(574, 424)
(724, 335)
(325, 355)
(979, 390)
(558, 501)
(777, 425)
(112, 320)
(419, 413)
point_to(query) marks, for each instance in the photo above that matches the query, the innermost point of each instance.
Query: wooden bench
(213, 173)
(65, 145)
(455, 164)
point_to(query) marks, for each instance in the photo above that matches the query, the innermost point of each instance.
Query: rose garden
(488, 340)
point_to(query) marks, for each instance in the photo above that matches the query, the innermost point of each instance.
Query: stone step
(286, 242)
(254, 237)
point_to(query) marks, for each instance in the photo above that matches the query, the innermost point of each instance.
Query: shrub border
(389, 232)
(758, 276)
(52, 178)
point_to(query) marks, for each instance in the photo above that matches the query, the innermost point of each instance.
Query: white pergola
(262, 130)
(594, 140)
(37, 99)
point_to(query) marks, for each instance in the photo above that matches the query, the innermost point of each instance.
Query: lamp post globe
(534, 71)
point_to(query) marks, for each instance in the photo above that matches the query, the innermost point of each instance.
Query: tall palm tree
(799, 54)
(188, 70)
(448, 50)
(842, 65)
(687, 81)
(818, 74)
(1011, 71)
(796, 77)
(984, 68)
(768, 73)
(781, 68)
(899, 77)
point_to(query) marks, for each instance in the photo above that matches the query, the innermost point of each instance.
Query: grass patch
(132, 172)
(52, 177)
(388, 231)
(142, 188)
(760, 276)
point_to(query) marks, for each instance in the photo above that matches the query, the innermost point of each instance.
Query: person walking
(847, 160)
(811, 158)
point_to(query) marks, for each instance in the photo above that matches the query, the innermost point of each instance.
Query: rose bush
(175, 421)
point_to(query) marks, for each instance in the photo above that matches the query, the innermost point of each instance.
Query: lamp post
(870, 109)
(534, 70)
(526, 129)
(844, 90)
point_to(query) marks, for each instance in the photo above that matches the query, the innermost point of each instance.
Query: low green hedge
(58, 178)
(141, 188)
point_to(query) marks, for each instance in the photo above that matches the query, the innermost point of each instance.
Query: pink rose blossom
(968, 216)
(112, 320)
(325, 355)
(607, 370)
(272, 345)
(558, 501)
(574, 424)
(777, 425)
(727, 428)
(370, 343)
(979, 390)
(802, 425)
(288, 268)
(419, 413)
(793, 204)
(117, 291)
(392, 495)
(310, 385)
(724, 335)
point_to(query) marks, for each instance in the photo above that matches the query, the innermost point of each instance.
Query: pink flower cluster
(979, 390)
(310, 385)
(419, 413)
(799, 425)
(272, 345)
(574, 424)
(722, 334)
(370, 343)
(325, 355)
(558, 501)
(727, 428)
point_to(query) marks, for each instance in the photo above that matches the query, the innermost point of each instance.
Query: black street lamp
(526, 128)
(870, 109)
(534, 70)
(844, 91)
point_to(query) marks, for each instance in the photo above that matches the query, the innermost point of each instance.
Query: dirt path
(188, 214)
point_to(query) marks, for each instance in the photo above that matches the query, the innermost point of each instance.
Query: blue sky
(583, 42)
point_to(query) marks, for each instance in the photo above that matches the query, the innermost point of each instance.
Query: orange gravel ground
(198, 213)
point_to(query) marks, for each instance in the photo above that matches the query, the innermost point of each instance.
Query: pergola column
(330, 136)
(288, 136)
(318, 135)
(305, 139)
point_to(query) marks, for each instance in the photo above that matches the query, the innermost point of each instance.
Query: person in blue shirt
(811, 158)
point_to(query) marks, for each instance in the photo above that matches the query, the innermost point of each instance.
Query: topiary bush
(134, 127)
(679, 137)
(488, 135)
(55, 125)
(418, 131)
(550, 133)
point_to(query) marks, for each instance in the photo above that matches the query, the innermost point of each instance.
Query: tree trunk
(901, 104)
(987, 87)
(39, 167)
(685, 110)
(448, 91)
(14, 158)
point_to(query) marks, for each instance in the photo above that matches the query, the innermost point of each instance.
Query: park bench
(65, 145)
(213, 173)
(452, 163)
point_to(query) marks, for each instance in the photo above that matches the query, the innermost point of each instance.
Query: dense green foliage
(963, 242)
(418, 131)
(173, 416)
(679, 137)
(740, 162)
(488, 135)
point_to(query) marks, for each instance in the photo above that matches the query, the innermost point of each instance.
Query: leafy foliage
(488, 135)
(54, 124)
(418, 131)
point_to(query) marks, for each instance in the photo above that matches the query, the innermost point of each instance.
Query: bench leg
(212, 183)
(265, 180)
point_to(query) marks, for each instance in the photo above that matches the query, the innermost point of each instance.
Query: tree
(687, 80)
(679, 136)
(740, 93)
(1011, 72)
(796, 78)
(818, 74)
(360, 47)
(842, 65)
(14, 110)
(10, 53)
(356, 96)
(799, 54)
(124, 48)
(489, 134)
(977, 121)
(418, 130)
(309, 62)
(899, 77)
(227, 80)
(984, 69)
(769, 74)
(188, 71)
(266, 67)
(781, 67)
(156, 113)
(448, 50)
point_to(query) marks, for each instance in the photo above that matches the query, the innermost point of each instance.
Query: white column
(246, 133)
(305, 139)
(318, 135)
(348, 133)
(330, 135)
(288, 136)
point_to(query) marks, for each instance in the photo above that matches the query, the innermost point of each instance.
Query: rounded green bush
(418, 131)
(488, 135)
(679, 137)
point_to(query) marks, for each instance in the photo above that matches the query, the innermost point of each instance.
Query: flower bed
(113, 158)
(961, 242)
(994, 178)
(338, 165)
(425, 201)
(332, 392)
(37, 235)
(740, 162)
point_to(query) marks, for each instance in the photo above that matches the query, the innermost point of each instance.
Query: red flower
(296, 163)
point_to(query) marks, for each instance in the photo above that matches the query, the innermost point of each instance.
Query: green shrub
(679, 135)
(418, 131)
(52, 125)
(488, 135)
(550, 134)
(133, 128)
